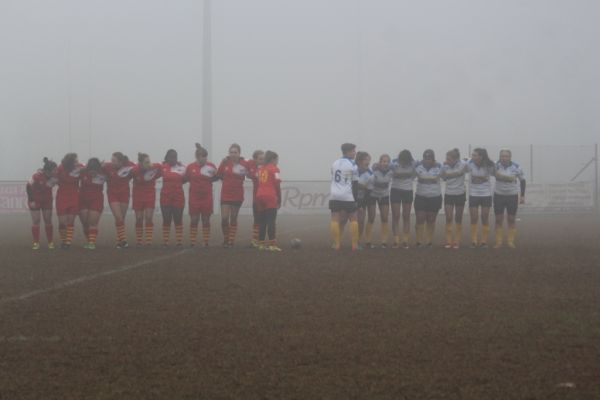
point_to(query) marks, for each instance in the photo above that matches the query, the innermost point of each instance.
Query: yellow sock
(430, 232)
(406, 237)
(485, 233)
(368, 232)
(499, 234)
(354, 233)
(334, 228)
(448, 232)
(397, 239)
(385, 232)
(474, 233)
(420, 233)
(457, 233)
(512, 234)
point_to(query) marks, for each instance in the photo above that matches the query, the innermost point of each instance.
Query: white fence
(312, 197)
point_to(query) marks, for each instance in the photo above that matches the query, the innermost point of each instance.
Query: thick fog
(296, 76)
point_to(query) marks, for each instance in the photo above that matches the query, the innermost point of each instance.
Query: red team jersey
(91, 193)
(118, 182)
(268, 194)
(144, 186)
(67, 196)
(201, 192)
(171, 194)
(233, 176)
(39, 191)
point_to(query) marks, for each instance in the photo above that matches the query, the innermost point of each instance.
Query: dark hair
(257, 153)
(485, 159)
(49, 165)
(170, 152)
(93, 164)
(236, 146)
(361, 155)
(405, 157)
(429, 154)
(201, 151)
(122, 158)
(347, 148)
(68, 161)
(142, 157)
(270, 156)
(454, 154)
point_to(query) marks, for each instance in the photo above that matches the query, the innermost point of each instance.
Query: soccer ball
(296, 243)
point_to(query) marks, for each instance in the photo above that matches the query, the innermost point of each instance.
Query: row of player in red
(80, 195)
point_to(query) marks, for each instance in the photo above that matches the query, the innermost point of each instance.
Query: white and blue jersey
(454, 176)
(381, 181)
(365, 184)
(428, 180)
(403, 175)
(508, 179)
(480, 184)
(343, 173)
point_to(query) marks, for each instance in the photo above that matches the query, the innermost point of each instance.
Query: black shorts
(455, 199)
(480, 201)
(428, 204)
(379, 201)
(232, 203)
(399, 196)
(363, 202)
(509, 203)
(339, 205)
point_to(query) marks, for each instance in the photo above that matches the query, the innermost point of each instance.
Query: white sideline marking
(102, 274)
(88, 278)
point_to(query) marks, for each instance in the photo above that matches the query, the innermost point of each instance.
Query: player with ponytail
(268, 199)
(67, 197)
(510, 183)
(480, 169)
(40, 202)
(401, 196)
(428, 197)
(232, 171)
(91, 200)
(258, 159)
(119, 172)
(145, 175)
(453, 173)
(172, 198)
(201, 174)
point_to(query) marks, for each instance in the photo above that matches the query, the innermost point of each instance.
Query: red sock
(49, 233)
(35, 231)
(139, 233)
(92, 235)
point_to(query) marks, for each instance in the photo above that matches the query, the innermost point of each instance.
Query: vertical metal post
(207, 77)
(69, 96)
(531, 163)
(596, 178)
(469, 154)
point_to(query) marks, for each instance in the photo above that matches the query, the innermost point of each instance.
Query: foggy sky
(296, 76)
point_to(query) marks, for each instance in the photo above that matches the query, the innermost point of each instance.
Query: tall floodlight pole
(207, 78)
